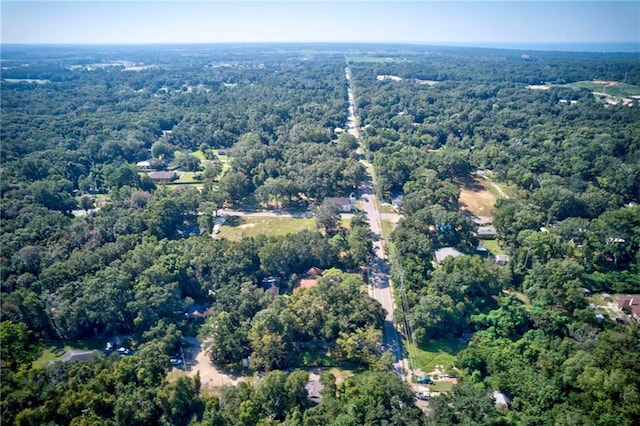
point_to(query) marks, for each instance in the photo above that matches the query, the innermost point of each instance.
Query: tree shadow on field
(473, 184)
(234, 221)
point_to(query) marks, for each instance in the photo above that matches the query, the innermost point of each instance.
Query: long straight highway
(379, 283)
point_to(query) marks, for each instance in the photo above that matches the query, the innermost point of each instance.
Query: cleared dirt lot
(210, 376)
(198, 362)
(476, 199)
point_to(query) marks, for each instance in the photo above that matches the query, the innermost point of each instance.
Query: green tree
(163, 216)
(361, 346)
(181, 402)
(328, 217)
(235, 186)
(53, 194)
(118, 177)
(15, 349)
(556, 284)
(188, 162)
(270, 346)
(162, 150)
(228, 340)
(467, 405)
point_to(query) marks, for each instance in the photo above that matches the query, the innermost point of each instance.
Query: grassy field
(189, 178)
(611, 88)
(224, 159)
(238, 227)
(437, 352)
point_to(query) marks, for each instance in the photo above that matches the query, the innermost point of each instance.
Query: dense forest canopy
(92, 247)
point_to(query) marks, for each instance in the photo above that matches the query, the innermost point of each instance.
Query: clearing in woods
(477, 199)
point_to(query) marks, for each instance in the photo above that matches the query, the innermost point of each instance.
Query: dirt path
(490, 181)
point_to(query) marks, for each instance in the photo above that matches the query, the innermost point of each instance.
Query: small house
(185, 231)
(629, 303)
(445, 252)
(309, 279)
(486, 232)
(73, 355)
(500, 400)
(345, 205)
(143, 165)
(198, 313)
(162, 177)
(502, 259)
(272, 285)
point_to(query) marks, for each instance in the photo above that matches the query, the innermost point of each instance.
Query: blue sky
(464, 22)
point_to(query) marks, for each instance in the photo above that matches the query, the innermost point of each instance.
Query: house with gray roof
(445, 252)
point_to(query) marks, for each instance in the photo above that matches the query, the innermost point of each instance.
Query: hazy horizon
(516, 24)
(609, 47)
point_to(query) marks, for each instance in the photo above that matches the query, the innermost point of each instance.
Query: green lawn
(186, 178)
(387, 228)
(198, 154)
(224, 159)
(437, 352)
(441, 386)
(238, 227)
(386, 208)
(493, 246)
(313, 358)
(102, 200)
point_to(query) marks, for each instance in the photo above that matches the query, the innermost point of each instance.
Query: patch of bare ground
(198, 362)
(523, 298)
(476, 199)
(539, 86)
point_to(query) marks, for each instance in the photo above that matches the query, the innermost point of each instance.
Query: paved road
(352, 124)
(379, 284)
(393, 217)
(278, 213)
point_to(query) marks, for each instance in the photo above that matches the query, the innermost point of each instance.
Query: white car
(424, 396)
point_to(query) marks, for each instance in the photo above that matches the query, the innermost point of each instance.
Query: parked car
(423, 396)
(424, 380)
